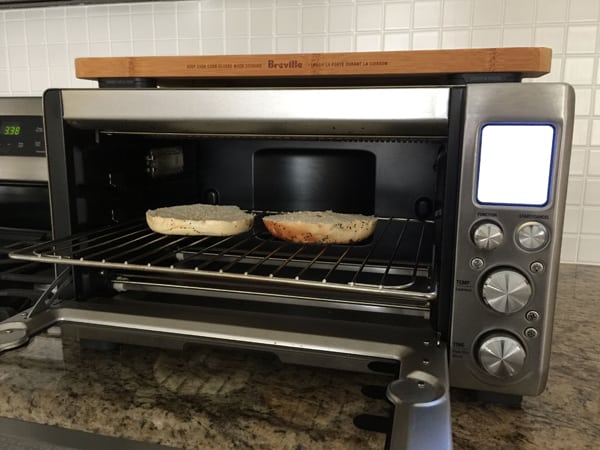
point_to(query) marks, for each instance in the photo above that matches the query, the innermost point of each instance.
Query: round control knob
(506, 291)
(532, 236)
(501, 355)
(487, 236)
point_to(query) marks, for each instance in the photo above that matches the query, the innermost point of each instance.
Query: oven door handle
(421, 401)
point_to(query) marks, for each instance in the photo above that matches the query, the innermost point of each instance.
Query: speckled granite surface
(201, 399)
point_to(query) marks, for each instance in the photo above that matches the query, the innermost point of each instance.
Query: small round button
(477, 263)
(532, 316)
(531, 333)
(537, 267)
(532, 236)
(487, 236)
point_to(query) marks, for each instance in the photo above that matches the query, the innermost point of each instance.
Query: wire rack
(395, 261)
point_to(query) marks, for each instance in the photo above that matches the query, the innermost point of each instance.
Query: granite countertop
(202, 398)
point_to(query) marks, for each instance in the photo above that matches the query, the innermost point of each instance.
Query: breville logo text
(292, 64)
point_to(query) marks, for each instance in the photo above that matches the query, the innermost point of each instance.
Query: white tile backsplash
(592, 192)
(551, 11)
(261, 22)
(237, 22)
(314, 19)
(486, 37)
(577, 166)
(98, 28)
(457, 13)
(593, 167)
(396, 41)
(584, 101)
(425, 40)
(519, 12)
(17, 57)
(583, 10)
(579, 70)
(368, 42)
(589, 249)
(261, 45)
(287, 21)
(590, 220)
(15, 32)
(550, 36)
(142, 27)
(369, 16)
(581, 39)
(488, 12)
(397, 15)
(38, 45)
(427, 14)
(517, 37)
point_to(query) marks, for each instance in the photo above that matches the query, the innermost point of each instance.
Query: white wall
(37, 48)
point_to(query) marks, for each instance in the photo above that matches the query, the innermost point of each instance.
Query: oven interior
(114, 177)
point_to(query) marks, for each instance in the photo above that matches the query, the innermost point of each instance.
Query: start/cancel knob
(532, 236)
(506, 291)
(501, 355)
(487, 235)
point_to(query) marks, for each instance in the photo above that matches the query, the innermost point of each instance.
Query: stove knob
(506, 291)
(532, 236)
(487, 236)
(501, 355)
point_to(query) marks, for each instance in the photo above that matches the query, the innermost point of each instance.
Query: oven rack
(395, 263)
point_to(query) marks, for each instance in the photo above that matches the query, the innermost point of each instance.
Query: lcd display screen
(515, 164)
(10, 129)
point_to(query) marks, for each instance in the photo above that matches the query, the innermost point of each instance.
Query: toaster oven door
(410, 357)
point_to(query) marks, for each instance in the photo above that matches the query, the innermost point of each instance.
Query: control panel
(516, 149)
(21, 136)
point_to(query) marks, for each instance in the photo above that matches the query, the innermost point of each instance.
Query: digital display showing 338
(10, 129)
(21, 136)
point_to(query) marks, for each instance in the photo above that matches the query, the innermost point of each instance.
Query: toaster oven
(455, 288)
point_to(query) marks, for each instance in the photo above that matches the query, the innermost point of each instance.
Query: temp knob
(487, 236)
(506, 291)
(532, 236)
(501, 355)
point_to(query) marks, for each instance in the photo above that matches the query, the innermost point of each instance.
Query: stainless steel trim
(23, 168)
(366, 304)
(21, 106)
(345, 112)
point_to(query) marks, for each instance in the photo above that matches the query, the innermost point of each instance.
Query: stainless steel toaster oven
(456, 288)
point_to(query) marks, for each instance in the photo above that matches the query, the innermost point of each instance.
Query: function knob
(532, 236)
(506, 291)
(501, 355)
(487, 236)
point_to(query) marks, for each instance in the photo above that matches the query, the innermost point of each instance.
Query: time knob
(501, 355)
(506, 291)
(487, 236)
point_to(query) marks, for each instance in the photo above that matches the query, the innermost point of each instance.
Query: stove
(24, 202)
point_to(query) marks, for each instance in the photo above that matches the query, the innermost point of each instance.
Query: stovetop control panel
(22, 146)
(21, 136)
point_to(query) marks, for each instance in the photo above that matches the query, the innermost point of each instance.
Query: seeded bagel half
(320, 227)
(199, 219)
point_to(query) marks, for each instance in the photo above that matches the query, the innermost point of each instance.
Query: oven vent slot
(394, 268)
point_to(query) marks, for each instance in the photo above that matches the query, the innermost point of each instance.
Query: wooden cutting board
(522, 61)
